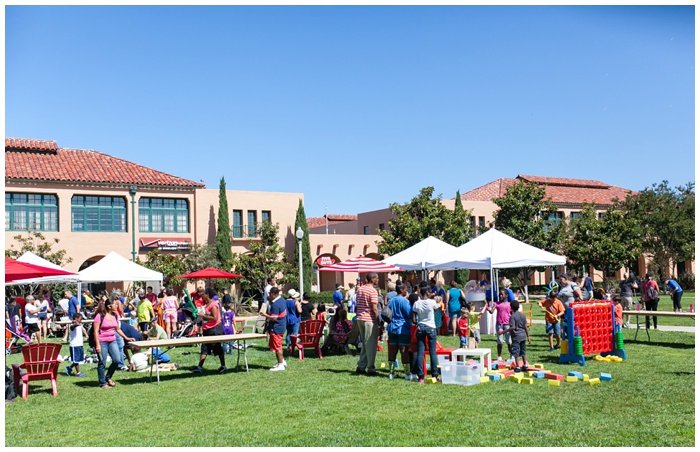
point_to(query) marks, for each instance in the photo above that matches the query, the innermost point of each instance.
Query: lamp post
(132, 192)
(300, 236)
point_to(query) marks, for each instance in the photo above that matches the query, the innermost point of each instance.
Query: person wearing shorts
(554, 310)
(277, 316)
(502, 308)
(169, 311)
(517, 327)
(211, 326)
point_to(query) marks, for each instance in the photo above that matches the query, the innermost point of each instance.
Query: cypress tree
(305, 248)
(223, 230)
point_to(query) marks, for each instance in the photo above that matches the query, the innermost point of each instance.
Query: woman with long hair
(106, 327)
(453, 304)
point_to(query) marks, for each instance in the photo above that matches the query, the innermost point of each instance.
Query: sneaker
(80, 374)
(284, 363)
(499, 359)
(625, 325)
(420, 380)
(551, 350)
(392, 376)
(125, 368)
(222, 369)
(69, 369)
(411, 377)
(197, 370)
(518, 369)
(359, 371)
(278, 367)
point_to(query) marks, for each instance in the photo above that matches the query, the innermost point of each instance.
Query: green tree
(307, 262)
(223, 230)
(667, 220)
(201, 256)
(266, 258)
(582, 237)
(423, 216)
(170, 265)
(459, 232)
(526, 215)
(617, 241)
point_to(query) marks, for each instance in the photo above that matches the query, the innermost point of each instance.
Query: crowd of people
(410, 317)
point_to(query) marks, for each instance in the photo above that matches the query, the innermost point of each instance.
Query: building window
(601, 215)
(381, 226)
(551, 219)
(98, 213)
(163, 215)
(252, 224)
(482, 222)
(266, 216)
(237, 224)
(28, 211)
(575, 215)
(365, 230)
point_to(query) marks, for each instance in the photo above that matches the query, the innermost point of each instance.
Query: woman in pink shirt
(105, 328)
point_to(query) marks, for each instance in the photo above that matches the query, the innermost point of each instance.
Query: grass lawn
(649, 402)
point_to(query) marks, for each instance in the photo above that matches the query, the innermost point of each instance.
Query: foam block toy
(501, 365)
(576, 374)
(495, 377)
(552, 376)
(538, 366)
(485, 379)
(617, 359)
(554, 383)
(507, 373)
(516, 377)
(530, 373)
(594, 381)
(433, 380)
(527, 381)
(586, 377)
(540, 375)
(605, 377)
(571, 379)
(494, 366)
(598, 358)
(382, 365)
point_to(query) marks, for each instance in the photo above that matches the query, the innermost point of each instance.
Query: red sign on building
(166, 244)
(324, 261)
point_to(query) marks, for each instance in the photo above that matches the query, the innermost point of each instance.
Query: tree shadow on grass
(661, 344)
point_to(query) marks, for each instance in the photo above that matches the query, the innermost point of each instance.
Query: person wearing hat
(338, 295)
(293, 315)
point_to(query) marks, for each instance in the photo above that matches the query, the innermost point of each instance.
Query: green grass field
(649, 402)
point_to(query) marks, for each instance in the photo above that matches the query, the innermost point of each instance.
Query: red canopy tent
(15, 271)
(210, 273)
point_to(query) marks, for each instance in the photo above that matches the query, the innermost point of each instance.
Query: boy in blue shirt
(277, 326)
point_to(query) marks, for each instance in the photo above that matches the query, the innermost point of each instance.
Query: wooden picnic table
(687, 315)
(181, 342)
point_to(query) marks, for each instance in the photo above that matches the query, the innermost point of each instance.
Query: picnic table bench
(171, 343)
(688, 315)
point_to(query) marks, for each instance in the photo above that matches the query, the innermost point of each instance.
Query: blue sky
(358, 107)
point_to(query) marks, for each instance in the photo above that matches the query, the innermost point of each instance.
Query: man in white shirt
(424, 312)
(31, 318)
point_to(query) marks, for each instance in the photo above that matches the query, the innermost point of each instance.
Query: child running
(474, 318)
(463, 327)
(77, 334)
(554, 310)
(518, 334)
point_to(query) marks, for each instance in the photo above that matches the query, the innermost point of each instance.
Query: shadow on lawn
(661, 344)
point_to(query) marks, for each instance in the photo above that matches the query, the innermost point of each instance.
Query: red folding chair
(40, 363)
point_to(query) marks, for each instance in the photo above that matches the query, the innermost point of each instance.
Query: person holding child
(553, 312)
(76, 335)
(517, 327)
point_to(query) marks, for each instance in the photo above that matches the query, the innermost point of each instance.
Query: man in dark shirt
(517, 327)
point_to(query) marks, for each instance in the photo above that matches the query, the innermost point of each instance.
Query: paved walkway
(683, 329)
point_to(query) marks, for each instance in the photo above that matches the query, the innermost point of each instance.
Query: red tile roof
(317, 222)
(559, 190)
(45, 161)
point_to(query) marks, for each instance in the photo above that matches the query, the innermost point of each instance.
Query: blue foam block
(495, 377)
(605, 377)
(539, 374)
(578, 375)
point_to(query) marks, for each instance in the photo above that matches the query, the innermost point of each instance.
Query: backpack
(651, 293)
(386, 314)
(91, 336)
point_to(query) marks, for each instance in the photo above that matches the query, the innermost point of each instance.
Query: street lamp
(300, 236)
(132, 192)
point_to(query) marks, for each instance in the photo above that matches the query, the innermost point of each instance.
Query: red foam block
(551, 376)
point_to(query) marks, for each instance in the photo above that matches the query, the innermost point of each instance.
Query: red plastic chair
(310, 334)
(41, 363)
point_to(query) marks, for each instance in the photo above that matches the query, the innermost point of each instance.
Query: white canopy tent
(416, 256)
(493, 250)
(114, 267)
(31, 258)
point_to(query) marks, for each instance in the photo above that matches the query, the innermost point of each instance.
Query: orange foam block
(552, 376)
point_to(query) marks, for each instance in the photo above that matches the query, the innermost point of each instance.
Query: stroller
(189, 328)
(13, 333)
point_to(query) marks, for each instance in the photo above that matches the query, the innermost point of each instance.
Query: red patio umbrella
(15, 271)
(361, 264)
(210, 273)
